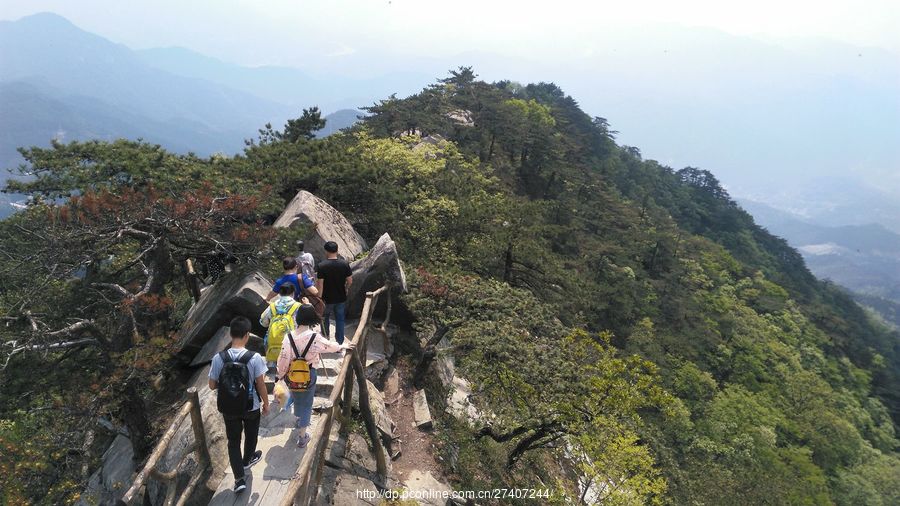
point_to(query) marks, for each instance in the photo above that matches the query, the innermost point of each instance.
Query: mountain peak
(46, 19)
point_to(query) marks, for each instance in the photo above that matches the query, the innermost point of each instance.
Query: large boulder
(220, 341)
(431, 491)
(237, 293)
(114, 477)
(325, 224)
(381, 265)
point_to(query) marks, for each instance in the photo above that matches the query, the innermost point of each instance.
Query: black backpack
(235, 383)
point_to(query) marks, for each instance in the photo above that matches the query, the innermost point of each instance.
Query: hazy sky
(807, 88)
(301, 32)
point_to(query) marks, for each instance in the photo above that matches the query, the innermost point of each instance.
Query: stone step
(325, 385)
(420, 410)
(331, 366)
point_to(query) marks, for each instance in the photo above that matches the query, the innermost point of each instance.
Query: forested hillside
(623, 325)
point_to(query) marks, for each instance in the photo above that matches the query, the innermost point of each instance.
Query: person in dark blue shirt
(302, 283)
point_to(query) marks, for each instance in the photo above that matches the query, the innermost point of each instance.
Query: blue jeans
(338, 310)
(303, 401)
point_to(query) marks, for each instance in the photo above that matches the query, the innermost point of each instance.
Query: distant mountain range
(863, 258)
(285, 85)
(834, 201)
(50, 58)
(60, 82)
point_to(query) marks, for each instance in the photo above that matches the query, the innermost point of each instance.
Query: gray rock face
(350, 477)
(424, 484)
(443, 364)
(326, 224)
(379, 349)
(114, 476)
(461, 117)
(219, 342)
(237, 293)
(381, 265)
(379, 410)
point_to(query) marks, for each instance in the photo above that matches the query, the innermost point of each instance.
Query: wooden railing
(299, 490)
(304, 485)
(135, 494)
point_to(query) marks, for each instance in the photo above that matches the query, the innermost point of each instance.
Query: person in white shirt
(305, 261)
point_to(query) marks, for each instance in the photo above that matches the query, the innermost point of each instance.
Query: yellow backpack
(279, 326)
(299, 374)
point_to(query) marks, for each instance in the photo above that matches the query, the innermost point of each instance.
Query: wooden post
(363, 343)
(371, 302)
(347, 411)
(317, 481)
(197, 425)
(387, 315)
(190, 279)
(366, 410)
(303, 493)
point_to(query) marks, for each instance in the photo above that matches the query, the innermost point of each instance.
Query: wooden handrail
(150, 469)
(298, 489)
(352, 367)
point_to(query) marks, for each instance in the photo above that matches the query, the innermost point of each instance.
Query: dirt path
(417, 445)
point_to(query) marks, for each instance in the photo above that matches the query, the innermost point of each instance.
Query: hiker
(334, 278)
(279, 318)
(237, 374)
(297, 365)
(306, 261)
(303, 284)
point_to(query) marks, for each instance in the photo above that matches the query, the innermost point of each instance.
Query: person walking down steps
(297, 365)
(238, 376)
(305, 261)
(334, 278)
(303, 283)
(279, 318)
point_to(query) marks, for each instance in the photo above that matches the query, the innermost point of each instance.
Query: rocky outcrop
(113, 478)
(325, 223)
(458, 390)
(237, 293)
(421, 411)
(379, 349)
(459, 403)
(349, 474)
(426, 489)
(462, 117)
(381, 265)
